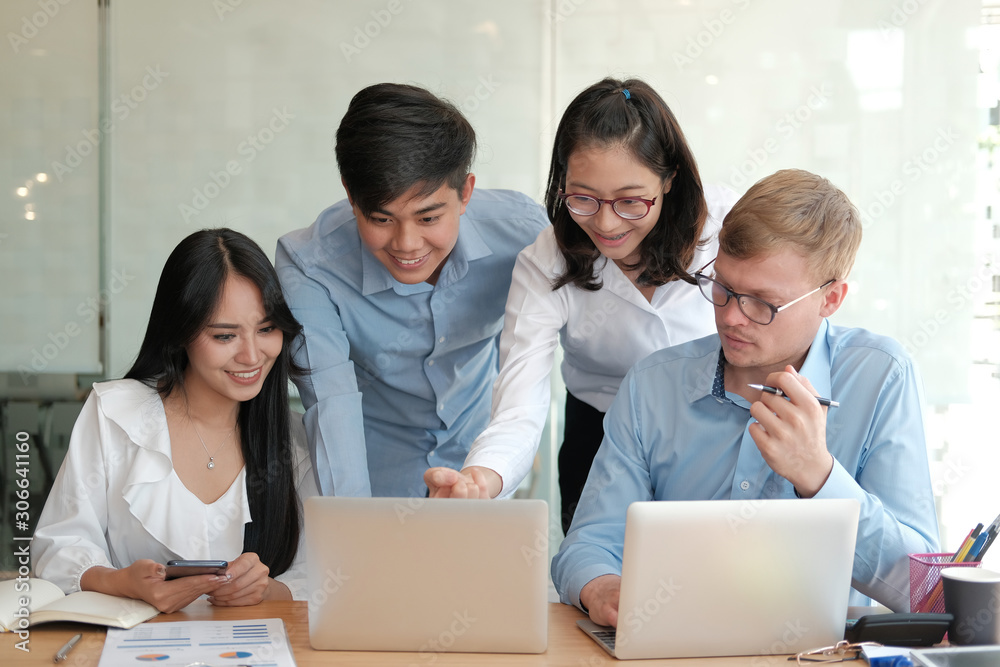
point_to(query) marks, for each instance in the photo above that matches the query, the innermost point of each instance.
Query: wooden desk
(568, 645)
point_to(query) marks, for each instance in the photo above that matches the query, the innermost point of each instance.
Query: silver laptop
(427, 575)
(730, 577)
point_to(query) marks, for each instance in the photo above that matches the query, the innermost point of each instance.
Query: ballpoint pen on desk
(62, 653)
(777, 392)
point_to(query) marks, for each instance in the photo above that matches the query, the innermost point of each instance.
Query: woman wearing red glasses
(610, 280)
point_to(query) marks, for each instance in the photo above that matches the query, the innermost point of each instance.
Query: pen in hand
(62, 653)
(777, 392)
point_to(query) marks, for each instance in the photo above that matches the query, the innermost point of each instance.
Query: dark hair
(602, 116)
(395, 136)
(187, 295)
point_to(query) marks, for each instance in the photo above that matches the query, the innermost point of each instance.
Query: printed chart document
(257, 642)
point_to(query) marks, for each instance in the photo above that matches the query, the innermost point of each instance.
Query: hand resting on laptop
(600, 597)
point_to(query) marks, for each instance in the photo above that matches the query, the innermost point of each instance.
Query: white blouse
(117, 498)
(603, 334)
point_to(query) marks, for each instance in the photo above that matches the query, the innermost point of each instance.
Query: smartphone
(187, 568)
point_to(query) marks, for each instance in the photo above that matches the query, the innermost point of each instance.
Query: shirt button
(441, 339)
(440, 406)
(744, 485)
(430, 363)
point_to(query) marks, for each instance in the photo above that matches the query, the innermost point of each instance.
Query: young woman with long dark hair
(191, 456)
(610, 280)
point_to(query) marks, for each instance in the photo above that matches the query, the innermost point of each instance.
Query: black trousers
(582, 437)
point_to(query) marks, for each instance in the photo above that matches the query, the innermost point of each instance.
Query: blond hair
(797, 209)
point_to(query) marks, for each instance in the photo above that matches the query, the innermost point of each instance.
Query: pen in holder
(926, 589)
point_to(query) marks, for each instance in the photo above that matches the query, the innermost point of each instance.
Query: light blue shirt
(669, 436)
(400, 375)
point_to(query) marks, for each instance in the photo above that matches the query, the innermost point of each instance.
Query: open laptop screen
(728, 577)
(429, 575)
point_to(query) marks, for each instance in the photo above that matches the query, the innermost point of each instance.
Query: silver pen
(777, 392)
(62, 653)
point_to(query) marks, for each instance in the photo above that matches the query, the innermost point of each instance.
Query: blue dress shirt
(674, 433)
(401, 375)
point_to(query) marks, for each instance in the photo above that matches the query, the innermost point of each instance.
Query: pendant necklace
(211, 457)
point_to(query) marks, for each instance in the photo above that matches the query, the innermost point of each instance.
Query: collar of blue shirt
(469, 247)
(816, 368)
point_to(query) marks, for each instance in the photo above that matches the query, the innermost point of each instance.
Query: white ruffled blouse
(117, 498)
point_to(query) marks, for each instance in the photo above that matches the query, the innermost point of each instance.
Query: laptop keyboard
(607, 638)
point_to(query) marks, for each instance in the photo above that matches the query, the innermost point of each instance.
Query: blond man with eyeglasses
(687, 425)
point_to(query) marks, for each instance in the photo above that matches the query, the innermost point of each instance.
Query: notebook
(427, 575)
(728, 577)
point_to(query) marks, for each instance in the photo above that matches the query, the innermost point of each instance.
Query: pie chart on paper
(236, 654)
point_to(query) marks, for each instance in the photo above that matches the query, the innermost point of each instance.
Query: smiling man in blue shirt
(401, 291)
(685, 425)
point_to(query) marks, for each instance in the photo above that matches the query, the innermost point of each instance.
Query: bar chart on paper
(261, 643)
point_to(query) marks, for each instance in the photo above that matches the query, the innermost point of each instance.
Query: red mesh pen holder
(926, 589)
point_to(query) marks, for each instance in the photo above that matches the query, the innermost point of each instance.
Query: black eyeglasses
(756, 310)
(629, 208)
